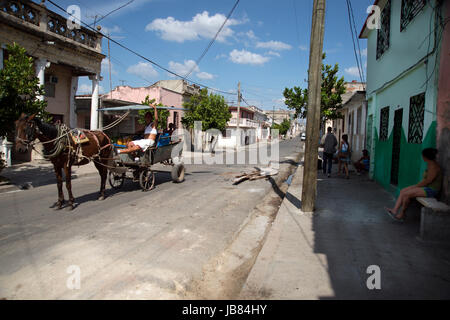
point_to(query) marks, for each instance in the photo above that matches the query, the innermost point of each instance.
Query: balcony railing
(48, 21)
(244, 122)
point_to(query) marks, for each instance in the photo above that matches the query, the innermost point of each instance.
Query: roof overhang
(365, 31)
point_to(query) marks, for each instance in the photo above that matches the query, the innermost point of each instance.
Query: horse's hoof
(101, 198)
(70, 207)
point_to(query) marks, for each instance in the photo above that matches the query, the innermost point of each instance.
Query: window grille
(416, 118)
(384, 124)
(410, 8)
(383, 36)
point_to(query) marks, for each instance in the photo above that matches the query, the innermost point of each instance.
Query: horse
(64, 152)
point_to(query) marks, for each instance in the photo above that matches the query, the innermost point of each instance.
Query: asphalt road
(134, 244)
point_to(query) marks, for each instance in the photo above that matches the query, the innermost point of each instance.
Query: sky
(264, 44)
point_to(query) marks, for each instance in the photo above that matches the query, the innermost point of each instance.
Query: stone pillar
(94, 101)
(41, 64)
(73, 115)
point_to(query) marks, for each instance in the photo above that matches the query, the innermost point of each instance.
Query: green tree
(331, 100)
(19, 89)
(211, 109)
(284, 127)
(163, 114)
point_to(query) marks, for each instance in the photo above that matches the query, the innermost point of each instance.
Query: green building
(403, 60)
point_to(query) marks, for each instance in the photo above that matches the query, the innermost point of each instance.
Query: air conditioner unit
(53, 79)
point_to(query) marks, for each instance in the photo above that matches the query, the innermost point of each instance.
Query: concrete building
(353, 122)
(253, 125)
(171, 93)
(407, 75)
(60, 54)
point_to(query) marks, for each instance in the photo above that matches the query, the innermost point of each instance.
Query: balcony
(243, 123)
(37, 19)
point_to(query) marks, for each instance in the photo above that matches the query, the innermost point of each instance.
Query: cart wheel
(147, 180)
(178, 173)
(116, 179)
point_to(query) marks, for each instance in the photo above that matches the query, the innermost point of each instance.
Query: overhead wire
(141, 56)
(353, 40)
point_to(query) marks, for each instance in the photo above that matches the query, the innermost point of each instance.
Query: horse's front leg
(68, 173)
(58, 172)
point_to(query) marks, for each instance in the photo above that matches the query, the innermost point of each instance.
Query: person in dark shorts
(329, 143)
(429, 187)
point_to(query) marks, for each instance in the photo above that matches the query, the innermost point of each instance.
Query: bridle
(30, 134)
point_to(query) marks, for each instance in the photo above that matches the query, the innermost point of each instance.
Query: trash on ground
(259, 173)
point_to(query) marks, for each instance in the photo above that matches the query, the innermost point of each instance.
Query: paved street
(132, 245)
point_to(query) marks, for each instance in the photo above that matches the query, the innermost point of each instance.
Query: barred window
(384, 124)
(416, 118)
(410, 8)
(383, 36)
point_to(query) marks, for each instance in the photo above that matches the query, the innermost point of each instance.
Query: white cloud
(303, 48)
(274, 45)
(143, 69)
(104, 7)
(249, 34)
(105, 67)
(247, 57)
(273, 53)
(220, 56)
(205, 76)
(183, 68)
(364, 52)
(201, 26)
(353, 71)
(85, 88)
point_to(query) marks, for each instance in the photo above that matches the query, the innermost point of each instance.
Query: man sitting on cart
(150, 133)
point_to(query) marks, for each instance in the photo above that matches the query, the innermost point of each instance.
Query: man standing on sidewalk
(329, 143)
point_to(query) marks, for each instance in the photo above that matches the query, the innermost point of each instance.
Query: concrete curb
(225, 275)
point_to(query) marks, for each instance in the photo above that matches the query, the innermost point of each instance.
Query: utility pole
(238, 141)
(109, 65)
(314, 98)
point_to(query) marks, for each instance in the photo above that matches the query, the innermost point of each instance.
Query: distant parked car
(303, 137)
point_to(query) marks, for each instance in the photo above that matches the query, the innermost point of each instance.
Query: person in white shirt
(150, 133)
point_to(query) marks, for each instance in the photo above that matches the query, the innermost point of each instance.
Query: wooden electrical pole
(313, 115)
(238, 136)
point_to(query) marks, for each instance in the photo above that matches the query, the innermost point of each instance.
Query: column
(72, 113)
(94, 101)
(41, 64)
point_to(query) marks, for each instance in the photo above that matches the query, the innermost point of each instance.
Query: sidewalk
(35, 174)
(326, 255)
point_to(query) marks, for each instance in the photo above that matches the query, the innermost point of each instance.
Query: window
(384, 32)
(410, 8)
(49, 86)
(384, 124)
(416, 117)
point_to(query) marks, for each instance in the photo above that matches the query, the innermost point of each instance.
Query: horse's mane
(48, 130)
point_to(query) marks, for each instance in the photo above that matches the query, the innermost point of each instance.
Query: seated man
(363, 164)
(150, 133)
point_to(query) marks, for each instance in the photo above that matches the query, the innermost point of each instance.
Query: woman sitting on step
(429, 187)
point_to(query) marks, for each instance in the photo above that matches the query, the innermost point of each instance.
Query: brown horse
(98, 148)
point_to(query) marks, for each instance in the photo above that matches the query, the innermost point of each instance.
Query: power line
(353, 40)
(357, 41)
(140, 55)
(103, 17)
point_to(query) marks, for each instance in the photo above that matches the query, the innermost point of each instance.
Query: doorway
(398, 119)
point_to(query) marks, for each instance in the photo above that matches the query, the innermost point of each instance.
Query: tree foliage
(163, 115)
(19, 89)
(211, 109)
(284, 127)
(331, 100)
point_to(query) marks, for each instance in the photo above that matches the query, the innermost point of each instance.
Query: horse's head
(25, 132)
